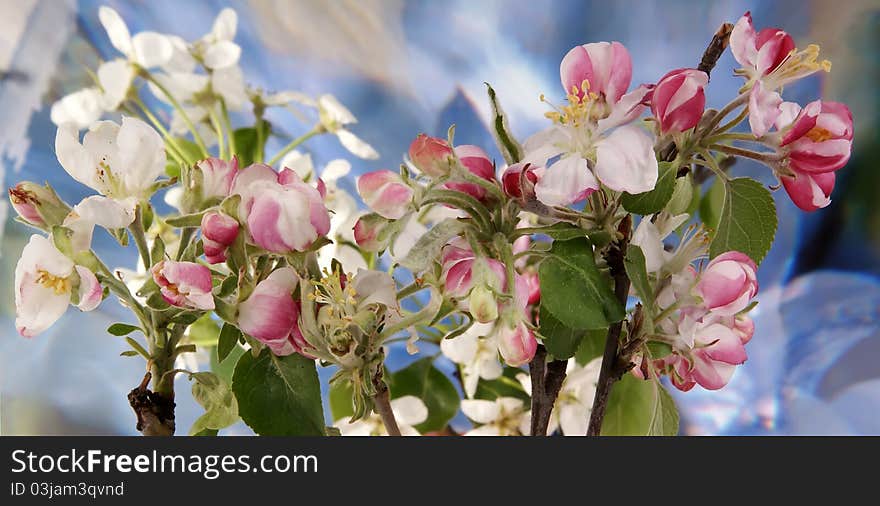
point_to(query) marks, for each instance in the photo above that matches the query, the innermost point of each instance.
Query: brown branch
(610, 371)
(547, 378)
(382, 405)
(154, 410)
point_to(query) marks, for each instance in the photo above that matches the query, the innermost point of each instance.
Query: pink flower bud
(602, 68)
(299, 343)
(431, 155)
(728, 283)
(270, 314)
(519, 180)
(385, 193)
(217, 176)
(819, 139)
(744, 328)
(718, 350)
(759, 53)
(678, 99)
(371, 232)
(219, 231)
(36, 204)
(475, 160)
(461, 270)
(184, 284)
(534, 287)
(516, 343)
(809, 191)
(283, 214)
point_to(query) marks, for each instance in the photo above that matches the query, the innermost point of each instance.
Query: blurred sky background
(405, 67)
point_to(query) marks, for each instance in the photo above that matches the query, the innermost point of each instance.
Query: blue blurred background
(405, 67)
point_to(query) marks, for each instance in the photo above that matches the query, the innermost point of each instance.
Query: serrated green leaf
(653, 201)
(427, 248)
(639, 408)
(229, 336)
(122, 329)
(562, 342)
(424, 381)
(748, 220)
(507, 144)
(574, 291)
(279, 396)
(218, 401)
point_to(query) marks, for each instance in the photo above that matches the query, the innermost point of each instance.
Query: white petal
(335, 111)
(221, 55)
(480, 411)
(229, 83)
(117, 31)
(151, 49)
(409, 410)
(625, 160)
(407, 238)
(141, 155)
(375, 287)
(181, 59)
(356, 146)
(38, 307)
(565, 181)
(461, 349)
(299, 162)
(75, 158)
(358, 428)
(79, 109)
(628, 108)
(106, 212)
(225, 25)
(335, 170)
(544, 145)
(647, 237)
(90, 291)
(485, 430)
(115, 79)
(573, 418)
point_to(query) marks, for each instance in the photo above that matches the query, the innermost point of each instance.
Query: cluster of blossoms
(530, 261)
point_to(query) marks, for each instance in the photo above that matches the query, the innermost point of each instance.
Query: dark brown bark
(547, 378)
(154, 410)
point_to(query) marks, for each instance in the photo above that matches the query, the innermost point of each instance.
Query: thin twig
(382, 404)
(715, 48)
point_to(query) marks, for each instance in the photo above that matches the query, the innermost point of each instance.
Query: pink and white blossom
(45, 281)
(678, 99)
(728, 283)
(270, 313)
(216, 176)
(385, 193)
(431, 155)
(478, 163)
(184, 284)
(516, 343)
(219, 231)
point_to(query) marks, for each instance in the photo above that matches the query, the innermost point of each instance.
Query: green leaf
(710, 205)
(226, 367)
(748, 220)
(639, 408)
(279, 396)
(562, 342)
(206, 433)
(653, 201)
(638, 276)
(427, 248)
(229, 336)
(560, 231)
(204, 331)
(682, 195)
(505, 386)
(592, 346)
(340, 399)
(246, 146)
(215, 396)
(424, 381)
(186, 220)
(122, 329)
(507, 144)
(573, 289)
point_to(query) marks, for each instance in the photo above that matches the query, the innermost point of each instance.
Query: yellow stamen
(819, 134)
(57, 283)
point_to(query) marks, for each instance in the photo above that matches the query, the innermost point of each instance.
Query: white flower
(408, 411)
(575, 400)
(119, 162)
(650, 236)
(147, 49)
(217, 49)
(334, 117)
(505, 416)
(477, 355)
(83, 107)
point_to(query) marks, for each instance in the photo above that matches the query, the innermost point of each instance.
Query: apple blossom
(282, 212)
(516, 342)
(505, 416)
(590, 149)
(270, 313)
(519, 180)
(334, 118)
(718, 350)
(431, 155)
(46, 282)
(215, 177)
(728, 283)
(386, 193)
(38, 205)
(219, 231)
(678, 99)
(184, 284)
(476, 351)
(118, 161)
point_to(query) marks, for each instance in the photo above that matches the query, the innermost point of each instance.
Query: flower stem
(189, 124)
(233, 150)
(294, 143)
(382, 404)
(173, 148)
(218, 131)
